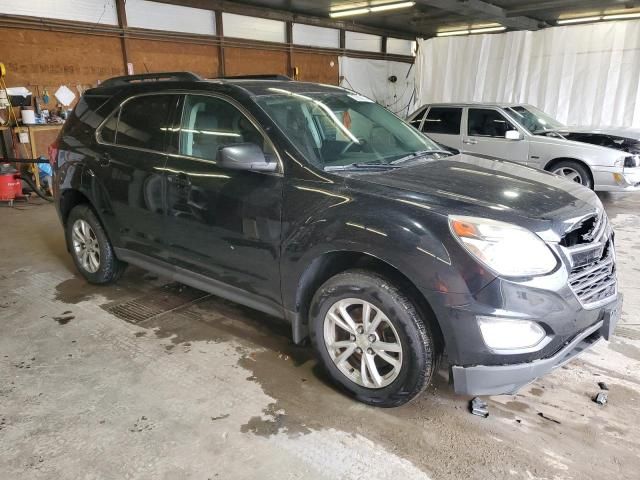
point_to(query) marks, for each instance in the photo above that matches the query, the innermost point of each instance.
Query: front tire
(371, 339)
(90, 247)
(574, 171)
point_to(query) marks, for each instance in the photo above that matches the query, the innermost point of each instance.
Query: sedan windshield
(534, 120)
(343, 130)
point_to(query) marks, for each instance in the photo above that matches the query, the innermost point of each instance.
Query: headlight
(507, 249)
(508, 334)
(632, 161)
(629, 161)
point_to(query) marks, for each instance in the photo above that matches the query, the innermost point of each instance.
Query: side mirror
(245, 156)
(513, 135)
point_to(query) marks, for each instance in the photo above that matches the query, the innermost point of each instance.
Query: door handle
(104, 160)
(470, 141)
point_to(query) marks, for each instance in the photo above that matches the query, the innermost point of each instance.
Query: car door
(223, 224)
(486, 132)
(132, 156)
(444, 125)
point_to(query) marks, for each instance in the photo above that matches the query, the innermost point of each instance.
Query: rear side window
(488, 123)
(142, 122)
(443, 120)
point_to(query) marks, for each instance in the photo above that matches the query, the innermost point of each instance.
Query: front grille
(593, 273)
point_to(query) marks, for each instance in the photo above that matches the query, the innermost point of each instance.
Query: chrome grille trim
(592, 278)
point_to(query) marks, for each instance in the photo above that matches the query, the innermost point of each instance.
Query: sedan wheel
(363, 343)
(570, 174)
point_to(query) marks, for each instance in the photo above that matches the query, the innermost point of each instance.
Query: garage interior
(150, 379)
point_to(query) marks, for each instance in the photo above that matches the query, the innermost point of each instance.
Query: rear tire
(573, 171)
(384, 365)
(90, 247)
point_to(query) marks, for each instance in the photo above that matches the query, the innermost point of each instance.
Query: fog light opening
(509, 335)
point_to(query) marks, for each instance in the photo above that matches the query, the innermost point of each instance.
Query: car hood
(502, 190)
(625, 132)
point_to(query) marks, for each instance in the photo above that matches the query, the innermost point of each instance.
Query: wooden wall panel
(165, 56)
(317, 67)
(39, 57)
(251, 61)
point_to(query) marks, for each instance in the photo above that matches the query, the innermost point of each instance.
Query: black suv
(314, 204)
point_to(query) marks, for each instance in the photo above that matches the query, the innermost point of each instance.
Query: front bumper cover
(616, 180)
(508, 379)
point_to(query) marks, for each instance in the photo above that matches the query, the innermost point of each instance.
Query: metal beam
(570, 5)
(283, 15)
(122, 23)
(481, 10)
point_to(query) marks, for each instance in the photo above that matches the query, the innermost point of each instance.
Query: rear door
(486, 129)
(444, 125)
(224, 224)
(130, 172)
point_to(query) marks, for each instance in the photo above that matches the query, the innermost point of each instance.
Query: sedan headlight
(507, 249)
(632, 161)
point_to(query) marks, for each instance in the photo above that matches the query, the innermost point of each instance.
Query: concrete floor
(214, 390)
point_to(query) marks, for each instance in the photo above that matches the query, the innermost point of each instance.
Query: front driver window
(488, 123)
(210, 123)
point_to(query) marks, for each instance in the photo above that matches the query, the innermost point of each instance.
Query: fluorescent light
(392, 6)
(488, 29)
(567, 21)
(621, 16)
(346, 13)
(374, 9)
(452, 33)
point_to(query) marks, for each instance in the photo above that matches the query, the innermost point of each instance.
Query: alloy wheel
(86, 246)
(570, 174)
(363, 343)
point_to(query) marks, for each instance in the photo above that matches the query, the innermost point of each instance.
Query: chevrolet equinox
(314, 204)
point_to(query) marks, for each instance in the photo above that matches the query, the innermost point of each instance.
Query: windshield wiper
(423, 153)
(381, 166)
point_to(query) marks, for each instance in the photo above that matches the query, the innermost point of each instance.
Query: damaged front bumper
(508, 379)
(616, 180)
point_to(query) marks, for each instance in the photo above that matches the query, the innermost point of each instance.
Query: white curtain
(581, 74)
(371, 79)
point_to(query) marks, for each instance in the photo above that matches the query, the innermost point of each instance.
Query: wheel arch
(552, 163)
(69, 199)
(332, 263)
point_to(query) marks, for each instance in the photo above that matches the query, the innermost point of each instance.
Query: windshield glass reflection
(336, 131)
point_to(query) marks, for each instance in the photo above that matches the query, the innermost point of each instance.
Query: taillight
(53, 153)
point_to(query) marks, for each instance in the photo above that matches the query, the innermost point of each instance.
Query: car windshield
(534, 120)
(344, 130)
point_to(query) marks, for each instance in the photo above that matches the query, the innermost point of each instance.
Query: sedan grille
(593, 274)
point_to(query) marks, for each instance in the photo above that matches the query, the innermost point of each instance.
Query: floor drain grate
(158, 301)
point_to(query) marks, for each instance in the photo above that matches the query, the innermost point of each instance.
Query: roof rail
(266, 76)
(150, 77)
